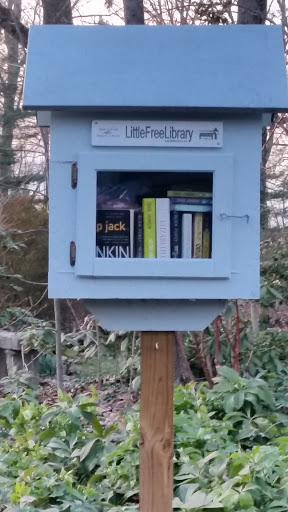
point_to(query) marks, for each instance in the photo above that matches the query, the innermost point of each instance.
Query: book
(188, 193)
(190, 200)
(187, 226)
(163, 243)
(115, 233)
(198, 235)
(149, 227)
(192, 208)
(138, 234)
(207, 221)
(175, 222)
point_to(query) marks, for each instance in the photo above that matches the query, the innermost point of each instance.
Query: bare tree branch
(17, 181)
(13, 26)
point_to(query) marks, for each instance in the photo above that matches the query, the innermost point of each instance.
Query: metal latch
(74, 175)
(72, 254)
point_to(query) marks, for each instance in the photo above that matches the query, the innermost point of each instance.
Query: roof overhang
(195, 68)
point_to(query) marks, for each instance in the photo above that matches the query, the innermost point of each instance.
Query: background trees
(24, 151)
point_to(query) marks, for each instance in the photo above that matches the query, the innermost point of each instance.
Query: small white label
(197, 134)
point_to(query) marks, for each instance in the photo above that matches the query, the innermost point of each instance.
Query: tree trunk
(59, 362)
(9, 90)
(133, 12)
(255, 12)
(182, 371)
(57, 12)
(252, 12)
(12, 25)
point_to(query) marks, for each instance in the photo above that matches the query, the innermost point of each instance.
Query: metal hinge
(72, 254)
(74, 175)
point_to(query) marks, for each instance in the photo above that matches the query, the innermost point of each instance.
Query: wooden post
(156, 421)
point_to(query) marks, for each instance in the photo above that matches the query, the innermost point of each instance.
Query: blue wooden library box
(156, 137)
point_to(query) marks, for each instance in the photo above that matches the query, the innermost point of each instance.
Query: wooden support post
(156, 421)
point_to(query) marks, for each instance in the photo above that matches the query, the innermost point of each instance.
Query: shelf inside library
(154, 215)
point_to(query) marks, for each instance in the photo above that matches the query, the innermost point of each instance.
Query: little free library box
(155, 165)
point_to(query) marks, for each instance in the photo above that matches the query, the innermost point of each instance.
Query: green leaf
(97, 426)
(84, 452)
(265, 395)
(136, 383)
(229, 403)
(200, 500)
(223, 386)
(247, 431)
(109, 430)
(209, 457)
(178, 504)
(58, 443)
(229, 374)
(239, 399)
(246, 500)
(124, 344)
(230, 499)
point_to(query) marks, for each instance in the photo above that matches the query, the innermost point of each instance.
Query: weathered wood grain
(156, 422)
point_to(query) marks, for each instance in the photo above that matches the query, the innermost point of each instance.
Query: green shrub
(47, 364)
(230, 452)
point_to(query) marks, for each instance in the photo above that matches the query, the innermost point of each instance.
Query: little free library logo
(157, 133)
(168, 133)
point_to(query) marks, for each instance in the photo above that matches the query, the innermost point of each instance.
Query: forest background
(24, 205)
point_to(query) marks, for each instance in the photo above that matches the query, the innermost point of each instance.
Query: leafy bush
(230, 452)
(47, 455)
(24, 253)
(274, 262)
(47, 364)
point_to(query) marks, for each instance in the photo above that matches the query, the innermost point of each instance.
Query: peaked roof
(212, 67)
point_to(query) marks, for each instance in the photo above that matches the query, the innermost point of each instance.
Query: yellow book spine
(149, 227)
(206, 243)
(198, 235)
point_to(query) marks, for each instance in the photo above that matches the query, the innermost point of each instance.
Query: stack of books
(176, 226)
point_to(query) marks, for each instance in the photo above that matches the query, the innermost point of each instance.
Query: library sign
(195, 134)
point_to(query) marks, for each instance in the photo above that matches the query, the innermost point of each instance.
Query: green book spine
(149, 227)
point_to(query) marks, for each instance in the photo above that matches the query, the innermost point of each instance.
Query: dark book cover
(138, 234)
(176, 227)
(115, 233)
(207, 235)
(191, 200)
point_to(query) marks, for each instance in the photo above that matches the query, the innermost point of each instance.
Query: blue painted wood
(129, 160)
(156, 66)
(86, 216)
(155, 315)
(239, 70)
(241, 286)
(71, 135)
(62, 221)
(44, 118)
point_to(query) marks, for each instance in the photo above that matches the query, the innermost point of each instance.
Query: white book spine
(163, 242)
(187, 235)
